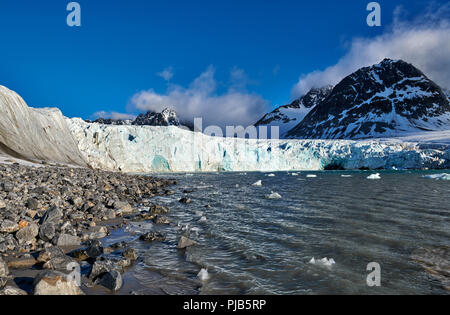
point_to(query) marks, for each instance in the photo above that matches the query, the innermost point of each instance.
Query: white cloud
(166, 74)
(201, 99)
(424, 42)
(113, 115)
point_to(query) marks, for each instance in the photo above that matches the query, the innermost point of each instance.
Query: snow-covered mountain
(389, 99)
(167, 117)
(108, 121)
(288, 116)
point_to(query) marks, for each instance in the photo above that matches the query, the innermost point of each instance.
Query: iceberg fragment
(273, 195)
(258, 183)
(374, 176)
(438, 176)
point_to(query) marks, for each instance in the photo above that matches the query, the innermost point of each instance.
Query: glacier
(46, 135)
(146, 149)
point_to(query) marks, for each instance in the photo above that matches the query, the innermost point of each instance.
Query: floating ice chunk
(374, 176)
(311, 176)
(273, 195)
(203, 275)
(294, 174)
(237, 185)
(346, 176)
(203, 220)
(271, 175)
(258, 183)
(438, 176)
(324, 262)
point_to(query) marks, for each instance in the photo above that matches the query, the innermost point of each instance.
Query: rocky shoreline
(51, 221)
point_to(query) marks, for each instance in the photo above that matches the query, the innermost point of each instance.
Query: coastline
(53, 217)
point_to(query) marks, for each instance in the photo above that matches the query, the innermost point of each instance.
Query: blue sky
(254, 49)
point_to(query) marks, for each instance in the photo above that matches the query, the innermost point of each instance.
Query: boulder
(10, 290)
(111, 280)
(66, 240)
(152, 236)
(47, 231)
(28, 234)
(55, 283)
(185, 242)
(50, 253)
(8, 226)
(52, 215)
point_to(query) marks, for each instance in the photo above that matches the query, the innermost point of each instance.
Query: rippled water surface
(253, 245)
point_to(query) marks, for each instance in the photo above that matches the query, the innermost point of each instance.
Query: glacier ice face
(147, 149)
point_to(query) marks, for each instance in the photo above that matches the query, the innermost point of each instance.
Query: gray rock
(160, 219)
(52, 215)
(111, 280)
(152, 236)
(2, 204)
(50, 253)
(102, 266)
(94, 249)
(47, 231)
(7, 226)
(185, 242)
(7, 187)
(3, 281)
(65, 240)
(10, 290)
(55, 283)
(33, 204)
(123, 208)
(185, 200)
(3, 268)
(28, 234)
(131, 254)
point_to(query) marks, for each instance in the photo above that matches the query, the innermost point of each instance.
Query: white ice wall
(171, 149)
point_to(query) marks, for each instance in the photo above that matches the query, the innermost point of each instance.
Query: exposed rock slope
(35, 134)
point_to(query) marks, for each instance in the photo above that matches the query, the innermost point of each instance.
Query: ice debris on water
(203, 220)
(324, 262)
(346, 176)
(203, 275)
(271, 175)
(438, 176)
(374, 176)
(258, 183)
(311, 176)
(273, 195)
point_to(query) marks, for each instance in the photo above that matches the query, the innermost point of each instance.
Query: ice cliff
(171, 149)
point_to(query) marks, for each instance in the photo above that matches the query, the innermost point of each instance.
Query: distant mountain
(288, 116)
(108, 121)
(167, 117)
(388, 99)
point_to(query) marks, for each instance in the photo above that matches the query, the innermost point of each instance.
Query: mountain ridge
(387, 99)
